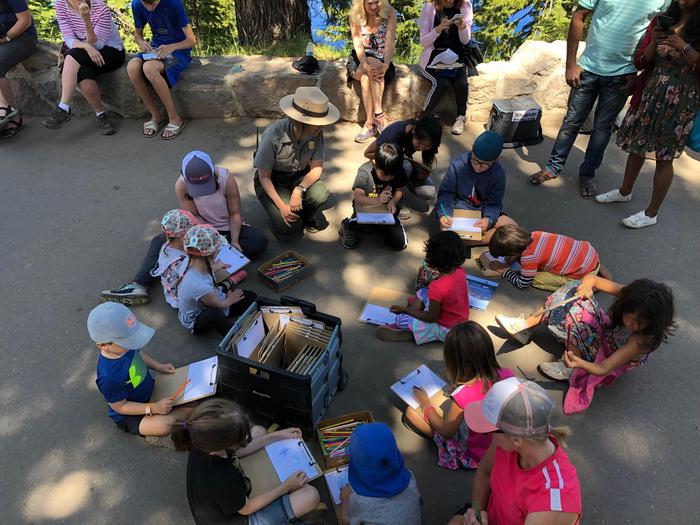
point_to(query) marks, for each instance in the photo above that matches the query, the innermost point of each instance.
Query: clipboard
(184, 386)
(235, 259)
(260, 469)
(468, 214)
(423, 377)
(375, 214)
(382, 299)
(336, 478)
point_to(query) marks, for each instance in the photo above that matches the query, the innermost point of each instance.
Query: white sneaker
(404, 214)
(515, 326)
(613, 196)
(639, 220)
(458, 126)
(556, 370)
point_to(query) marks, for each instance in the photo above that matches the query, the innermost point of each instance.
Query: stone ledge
(209, 88)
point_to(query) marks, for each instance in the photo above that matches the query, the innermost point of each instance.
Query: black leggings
(215, 318)
(441, 84)
(113, 58)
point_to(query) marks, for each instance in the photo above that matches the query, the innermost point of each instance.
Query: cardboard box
(335, 461)
(290, 281)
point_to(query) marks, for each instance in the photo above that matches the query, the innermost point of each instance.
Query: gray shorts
(17, 50)
(279, 512)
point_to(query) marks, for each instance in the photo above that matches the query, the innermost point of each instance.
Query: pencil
(443, 211)
(179, 390)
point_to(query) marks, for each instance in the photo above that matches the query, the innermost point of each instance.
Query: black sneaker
(57, 118)
(104, 126)
(131, 294)
(347, 237)
(313, 225)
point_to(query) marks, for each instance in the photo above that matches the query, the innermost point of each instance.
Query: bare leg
(416, 420)
(69, 79)
(304, 500)
(162, 425)
(377, 95)
(6, 96)
(663, 176)
(153, 70)
(632, 169)
(366, 96)
(91, 92)
(135, 70)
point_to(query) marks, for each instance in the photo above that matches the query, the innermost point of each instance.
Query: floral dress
(659, 127)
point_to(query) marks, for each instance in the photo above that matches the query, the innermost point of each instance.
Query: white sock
(98, 114)
(65, 107)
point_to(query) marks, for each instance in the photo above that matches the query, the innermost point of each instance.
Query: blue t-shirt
(166, 21)
(8, 8)
(125, 378)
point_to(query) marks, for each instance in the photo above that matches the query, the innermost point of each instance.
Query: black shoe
(347, 237)
(57, 118)
(104, 126)
(313, 225)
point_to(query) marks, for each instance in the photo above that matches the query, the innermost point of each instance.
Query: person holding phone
(663, 108)
(94, 47)
(605, 73)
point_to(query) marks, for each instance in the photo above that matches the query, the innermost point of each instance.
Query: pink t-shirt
(551, 486)
(453, 295)
(213, 208)
(477, 444)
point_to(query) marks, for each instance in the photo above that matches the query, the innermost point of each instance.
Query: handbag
(694, 137)
(472, 56)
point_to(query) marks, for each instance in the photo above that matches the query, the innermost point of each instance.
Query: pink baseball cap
(515, 407)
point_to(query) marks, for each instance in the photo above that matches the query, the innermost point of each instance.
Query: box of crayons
(285, 270)
(334, 436)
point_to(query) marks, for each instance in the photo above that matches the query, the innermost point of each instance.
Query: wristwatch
(302, 188)
(148, 410)
(7, 39)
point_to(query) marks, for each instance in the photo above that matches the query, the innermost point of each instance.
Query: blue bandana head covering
(488, 146)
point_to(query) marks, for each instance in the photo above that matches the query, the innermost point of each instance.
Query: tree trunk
(265, 22)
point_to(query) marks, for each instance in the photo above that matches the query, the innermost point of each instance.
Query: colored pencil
(443, 211)
(179, 390)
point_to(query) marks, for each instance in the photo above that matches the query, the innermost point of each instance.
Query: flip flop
(175, 130)
(152, 125)
(10, 113)
(541, 176)
(587, 188)
(7, 133)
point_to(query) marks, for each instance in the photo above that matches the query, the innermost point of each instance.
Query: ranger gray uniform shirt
(278, 151)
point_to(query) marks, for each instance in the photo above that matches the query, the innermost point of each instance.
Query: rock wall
(210, 88)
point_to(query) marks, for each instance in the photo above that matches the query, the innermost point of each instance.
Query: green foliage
(214, 24)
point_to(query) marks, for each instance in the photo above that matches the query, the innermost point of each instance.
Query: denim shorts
(279, 512)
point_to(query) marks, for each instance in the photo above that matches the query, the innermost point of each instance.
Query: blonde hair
(358, 15)
(561, 434)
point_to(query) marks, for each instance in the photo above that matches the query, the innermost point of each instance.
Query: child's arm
(185, 203)
(292, 483)
(163, 368)
(233, 200)
(393, 204)
(188, 43)
(262, 441)
(371, 151)
(448, 424)
(481, 489)
(361, 198)
(141, 41)
(344, 499)
(431, 316)
(592, 282)
(132, 408)
(622, 357)
(213, 301)
(517, 279)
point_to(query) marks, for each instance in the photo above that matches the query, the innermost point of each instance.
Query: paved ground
(77, 210)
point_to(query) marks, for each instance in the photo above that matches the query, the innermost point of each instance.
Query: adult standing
(211, 194)
(526, 475)
(661, 116)
(17, 42)
(605, 72)
(373, 30)
(445, 24)
(289, 163)
(94, 47)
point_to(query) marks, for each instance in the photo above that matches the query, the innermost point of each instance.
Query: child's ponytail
(216, 424)
(180, 434)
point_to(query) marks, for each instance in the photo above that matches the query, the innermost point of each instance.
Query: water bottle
(310, 49)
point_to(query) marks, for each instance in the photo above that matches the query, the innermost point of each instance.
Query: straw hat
(310, 106)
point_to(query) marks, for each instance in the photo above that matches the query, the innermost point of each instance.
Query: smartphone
(150, 56)
(664, 23)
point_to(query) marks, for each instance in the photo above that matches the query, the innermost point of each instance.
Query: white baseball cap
(115, 323)
(515, 407)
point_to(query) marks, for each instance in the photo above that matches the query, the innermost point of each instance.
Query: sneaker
(104, 126)
(380, 122)
(132, 294)
(515, 327)
(57, 118)
(458, 126)
(161, 441)
(404, 214)
(313, 225)
(365, 135)
(639, 220)
(347, 237)
(613, 196)
(386, 333)
(556, 370)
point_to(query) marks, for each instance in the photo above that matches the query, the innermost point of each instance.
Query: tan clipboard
(262, 474)
(468, 214)
(167, 385)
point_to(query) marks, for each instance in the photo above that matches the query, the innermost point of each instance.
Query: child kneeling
(216, 434)
(434, 310)
(379, 182)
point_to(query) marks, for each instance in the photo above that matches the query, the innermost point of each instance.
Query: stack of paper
(445, 60)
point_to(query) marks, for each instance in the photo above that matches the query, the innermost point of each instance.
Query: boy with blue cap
(476, 181)
(382, 491)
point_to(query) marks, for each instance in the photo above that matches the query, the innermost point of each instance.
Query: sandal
(10, 113)
(587, 188)
(12, 128)
(151, 128)
(541, 176)
(173, 131)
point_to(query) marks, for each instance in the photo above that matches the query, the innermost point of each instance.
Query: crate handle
(259, 373)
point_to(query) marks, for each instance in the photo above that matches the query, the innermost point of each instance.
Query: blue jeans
(611, 100)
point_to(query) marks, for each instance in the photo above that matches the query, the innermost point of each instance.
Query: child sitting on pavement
(433, 311)
(380, 181)
(172, 255)
(123, 377)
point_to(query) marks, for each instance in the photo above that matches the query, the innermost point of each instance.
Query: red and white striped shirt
(551, 486)
(73, 28)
